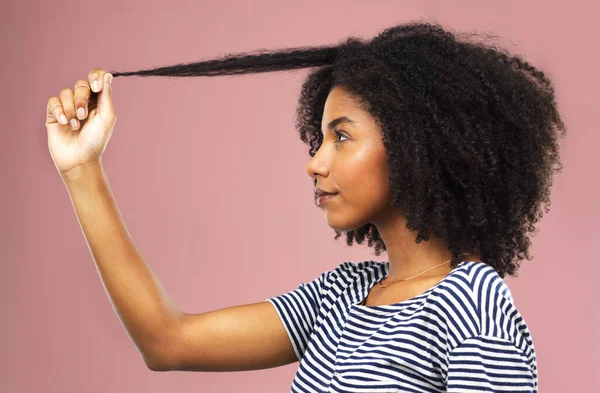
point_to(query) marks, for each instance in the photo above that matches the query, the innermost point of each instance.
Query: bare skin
(353, 163)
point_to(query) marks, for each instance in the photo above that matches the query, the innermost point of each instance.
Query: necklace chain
(408, 278)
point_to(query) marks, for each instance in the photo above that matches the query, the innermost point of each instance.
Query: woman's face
(352, 163)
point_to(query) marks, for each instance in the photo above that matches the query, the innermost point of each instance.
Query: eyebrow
(340, 120)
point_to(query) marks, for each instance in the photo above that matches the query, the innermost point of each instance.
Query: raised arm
(236, 338)
(245, 337)
(136, 295)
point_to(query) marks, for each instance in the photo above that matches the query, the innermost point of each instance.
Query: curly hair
(470, 130)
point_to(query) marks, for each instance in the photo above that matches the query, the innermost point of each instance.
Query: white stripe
(414, 346)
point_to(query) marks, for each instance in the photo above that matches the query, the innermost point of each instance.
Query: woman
(436, 150)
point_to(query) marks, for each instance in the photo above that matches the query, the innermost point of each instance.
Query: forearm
(140, 302)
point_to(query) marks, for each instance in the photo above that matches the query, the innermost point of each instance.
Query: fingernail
(74, 124)
(81, 113)
(95, 86)
(63, 119)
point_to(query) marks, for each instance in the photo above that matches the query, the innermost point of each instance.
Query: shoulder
(481, 284)
(486, 281)
(356, 275)
(350, 271)
(490, 305)
(351, 267)
(488, 291)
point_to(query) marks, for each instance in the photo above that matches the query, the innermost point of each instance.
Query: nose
(317, 166)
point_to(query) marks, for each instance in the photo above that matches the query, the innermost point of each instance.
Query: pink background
(223, 211)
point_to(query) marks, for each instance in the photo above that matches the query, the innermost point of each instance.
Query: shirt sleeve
(298, 310)
(490, 364)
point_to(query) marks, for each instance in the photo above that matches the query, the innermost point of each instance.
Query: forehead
(340, 104)
(339, 100)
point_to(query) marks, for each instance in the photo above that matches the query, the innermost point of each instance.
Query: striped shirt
(462, 335)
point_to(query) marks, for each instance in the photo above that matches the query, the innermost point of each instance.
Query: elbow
(159, 361)
(157, 366)
(160, 354)
(161, 349)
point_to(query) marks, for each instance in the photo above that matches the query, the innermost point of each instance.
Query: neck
(407, 257)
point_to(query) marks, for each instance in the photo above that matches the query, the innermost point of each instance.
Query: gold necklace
(408, 278)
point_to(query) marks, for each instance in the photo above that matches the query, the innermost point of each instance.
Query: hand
(74, 146)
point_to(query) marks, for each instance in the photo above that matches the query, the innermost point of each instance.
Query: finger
(96, 77)
(105, 105)
(55, 109)
(81, 97)
(66, 99)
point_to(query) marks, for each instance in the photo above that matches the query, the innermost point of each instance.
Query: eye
(338, 134)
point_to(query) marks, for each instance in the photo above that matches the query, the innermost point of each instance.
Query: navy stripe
(462, 335)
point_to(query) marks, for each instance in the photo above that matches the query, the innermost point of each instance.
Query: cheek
(365, 192)
(374, 192)
(367, 178)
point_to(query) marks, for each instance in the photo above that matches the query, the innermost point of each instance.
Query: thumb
(105, 105)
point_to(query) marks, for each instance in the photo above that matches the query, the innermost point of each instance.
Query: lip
(318, 191)
(321, 199)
